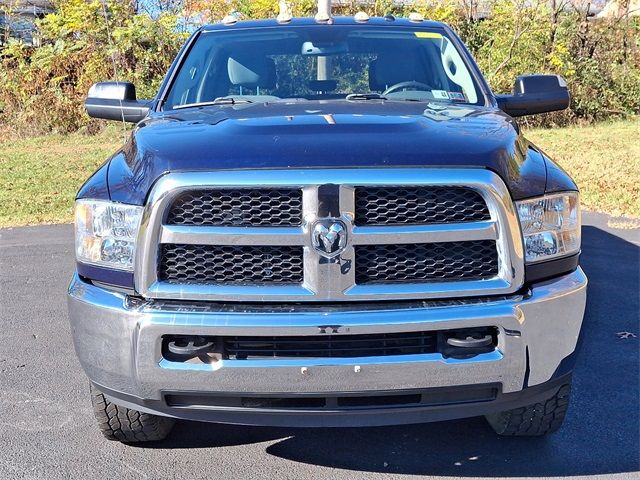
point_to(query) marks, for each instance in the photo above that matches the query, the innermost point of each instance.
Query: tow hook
(191, 347)
(470, 341)
(467, 343)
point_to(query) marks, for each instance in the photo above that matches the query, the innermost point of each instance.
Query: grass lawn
(40, 176)
(604, 160)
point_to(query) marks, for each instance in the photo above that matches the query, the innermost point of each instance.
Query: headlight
(106, 233)
(550, 226)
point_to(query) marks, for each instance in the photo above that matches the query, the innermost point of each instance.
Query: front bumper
(118, 341)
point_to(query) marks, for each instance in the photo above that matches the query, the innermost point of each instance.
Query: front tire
(127, 425)
(533, 420)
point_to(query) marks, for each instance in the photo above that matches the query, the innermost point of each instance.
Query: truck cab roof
(340, 20)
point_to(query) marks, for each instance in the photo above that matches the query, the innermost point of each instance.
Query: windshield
(322, 63)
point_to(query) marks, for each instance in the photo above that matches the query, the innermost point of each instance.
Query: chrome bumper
(118, 342)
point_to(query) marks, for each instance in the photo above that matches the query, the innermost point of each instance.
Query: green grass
(603, 159)
(40, 176)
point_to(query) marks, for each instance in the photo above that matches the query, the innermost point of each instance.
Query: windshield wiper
(217, 101)
(365, 96)
(230, 101)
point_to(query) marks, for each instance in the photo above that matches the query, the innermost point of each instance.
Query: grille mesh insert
(220, 265)
(418, 205)
(321, 346)
(237, 207)
(440, 262)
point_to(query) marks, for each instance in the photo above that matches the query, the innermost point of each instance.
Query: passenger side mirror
(116, 101)
(535, 94)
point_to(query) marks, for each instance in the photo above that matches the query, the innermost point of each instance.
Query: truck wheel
(533, 420)
(127, 425)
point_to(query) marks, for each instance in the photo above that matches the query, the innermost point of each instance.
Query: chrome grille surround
(331, 279)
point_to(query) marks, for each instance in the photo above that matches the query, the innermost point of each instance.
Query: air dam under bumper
(118, 340)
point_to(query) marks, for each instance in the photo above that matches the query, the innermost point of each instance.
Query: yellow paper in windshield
(428, 35)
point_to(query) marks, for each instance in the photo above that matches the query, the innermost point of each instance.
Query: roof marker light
(415, 17)
(230, 19)
(284, 16)
(361, 17)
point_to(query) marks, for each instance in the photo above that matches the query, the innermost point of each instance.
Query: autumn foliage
(42, 88)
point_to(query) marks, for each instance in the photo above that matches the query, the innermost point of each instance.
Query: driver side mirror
(116, 101)
(534, 94)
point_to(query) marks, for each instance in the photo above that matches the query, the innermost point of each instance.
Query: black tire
(533, 420)
(127, 425)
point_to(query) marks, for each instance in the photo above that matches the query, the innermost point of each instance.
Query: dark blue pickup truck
(327, 221)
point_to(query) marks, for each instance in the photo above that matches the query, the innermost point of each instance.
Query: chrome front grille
(223, 264)
(329, 235)
(429, 262)
(419, 205)
(247, 207)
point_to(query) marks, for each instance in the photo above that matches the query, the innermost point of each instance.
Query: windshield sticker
(440, 94)
(457, 97)
(428, 35)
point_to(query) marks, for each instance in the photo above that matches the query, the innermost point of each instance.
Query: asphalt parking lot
(47, 429)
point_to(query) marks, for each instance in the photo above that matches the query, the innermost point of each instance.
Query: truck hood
(325, 134)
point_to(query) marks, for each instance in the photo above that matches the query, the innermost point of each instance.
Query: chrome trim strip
(232, 235)
(493, 356)
(256, 292)
(331, 279)
(435, 290)
(399, 234)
